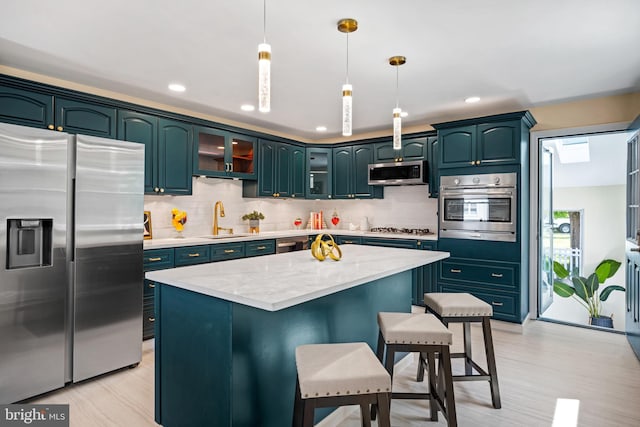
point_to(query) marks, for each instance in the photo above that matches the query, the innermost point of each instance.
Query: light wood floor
(547, 362)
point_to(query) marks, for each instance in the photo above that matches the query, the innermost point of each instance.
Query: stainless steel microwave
(399, 173)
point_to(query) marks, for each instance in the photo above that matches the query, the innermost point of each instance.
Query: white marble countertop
(275, 282)
(243, 237)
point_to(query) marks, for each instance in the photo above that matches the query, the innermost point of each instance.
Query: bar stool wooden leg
(384, 403)
(450, 403)
(297, 407)
(431, 366)
(466, 333)
(365, 414)
(309, 407)
(491, 363)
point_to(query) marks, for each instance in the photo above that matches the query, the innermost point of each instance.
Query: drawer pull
(229, 251)
(261, 248)
(496, 275)
(151, 319)
(155, 259)
(497, 304)
(194, 255)
(347, 241)
(152, 285)
(455, 270)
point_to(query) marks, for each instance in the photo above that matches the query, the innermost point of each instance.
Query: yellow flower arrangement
(178, 219)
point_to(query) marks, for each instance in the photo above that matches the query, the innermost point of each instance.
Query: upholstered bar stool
(423, 333)
(465, 308)
(332, 375)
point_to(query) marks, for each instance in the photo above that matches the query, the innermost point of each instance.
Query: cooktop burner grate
(416, 231)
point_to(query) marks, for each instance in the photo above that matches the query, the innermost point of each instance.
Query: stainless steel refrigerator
(71, 252)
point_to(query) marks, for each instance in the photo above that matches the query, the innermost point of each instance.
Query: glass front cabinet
(224, 154)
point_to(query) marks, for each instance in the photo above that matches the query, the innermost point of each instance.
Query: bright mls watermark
(34, 415)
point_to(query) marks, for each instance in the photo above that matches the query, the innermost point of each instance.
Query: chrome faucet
(219, 207)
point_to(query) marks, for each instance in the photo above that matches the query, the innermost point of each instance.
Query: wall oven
(479, 207)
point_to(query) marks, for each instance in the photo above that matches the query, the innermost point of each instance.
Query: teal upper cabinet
(31, 108)
(414, 148)
(351, 172)
(494, 140)
(224, 154)
(25, 107)
(168, 151)
(280, 171)
(85, 118)
(434, 177)
(319, 173)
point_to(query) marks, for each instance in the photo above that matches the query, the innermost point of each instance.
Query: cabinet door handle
(194, 255)
(51, 127)
(152, 285)
(455, 270)
(151, 319)
(154, 259)
(156, 190)
(497, 304)
(347, 241)
(60, 128)
(229, 251)
(496, 275)
(477, 162)
(260, 248)
(473, 162)
(162, 190)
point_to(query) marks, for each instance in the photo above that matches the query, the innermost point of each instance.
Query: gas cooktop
(416, 231)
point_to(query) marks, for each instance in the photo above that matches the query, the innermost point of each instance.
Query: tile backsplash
(403, 206)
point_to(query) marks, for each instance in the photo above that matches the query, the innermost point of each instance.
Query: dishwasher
(291, 244)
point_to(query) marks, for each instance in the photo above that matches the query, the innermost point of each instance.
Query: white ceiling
(513, 54)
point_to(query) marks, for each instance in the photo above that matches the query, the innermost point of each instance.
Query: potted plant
(587, 291)
(254, 221)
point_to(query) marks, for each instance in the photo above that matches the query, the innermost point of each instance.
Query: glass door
(545, 276)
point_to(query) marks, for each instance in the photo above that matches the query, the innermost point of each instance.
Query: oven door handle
(475, 193)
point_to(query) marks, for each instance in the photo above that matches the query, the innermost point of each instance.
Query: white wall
(604, 232)
(406, 206)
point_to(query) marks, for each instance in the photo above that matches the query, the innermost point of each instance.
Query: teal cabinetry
(486, 141)
(219, 153)
(190, 255)
(226, 251)
(38, 109)
(153, 259)
(260, 247)
(390, 243)
(281, 171)
(348, 240)
(168, 150)
(425, 277)
(85, 118)
(26, 108)
(351, 173)
(319, 166)
(413, 148)
(434, 173)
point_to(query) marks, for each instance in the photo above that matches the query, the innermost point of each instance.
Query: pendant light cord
(347, 58)
(264, 20)
(397, 85)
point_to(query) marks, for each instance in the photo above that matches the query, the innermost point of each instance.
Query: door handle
(455, 270)
(151, 285)
(155, 259)
(151, 319)
(229, 251)
(496, 275)
(497, 304)
(260, 248)
(194, 255)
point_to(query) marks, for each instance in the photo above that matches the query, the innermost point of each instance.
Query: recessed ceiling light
(247, 107)
(404, 114)
(321, 128)
(472, 99)
(177, 87)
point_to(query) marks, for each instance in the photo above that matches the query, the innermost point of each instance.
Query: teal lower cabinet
(495, 282)
(425, 277)
(190, 255)
(153, 259)
(226, 251)
(390, 243)
(220, 363)
(260, 247)
(348, 240)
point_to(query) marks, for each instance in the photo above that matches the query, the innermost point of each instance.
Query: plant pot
(254, 226)
(602, 321)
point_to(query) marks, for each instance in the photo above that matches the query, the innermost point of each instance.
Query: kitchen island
(226, 332)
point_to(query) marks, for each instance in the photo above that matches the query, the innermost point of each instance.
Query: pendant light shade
(347, 106)
(264, 68)
(264, 77)
(397, 61)
(347, 26)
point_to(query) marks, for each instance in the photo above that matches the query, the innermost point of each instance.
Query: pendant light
(347, 26)
(397, 61)
(264, 68)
